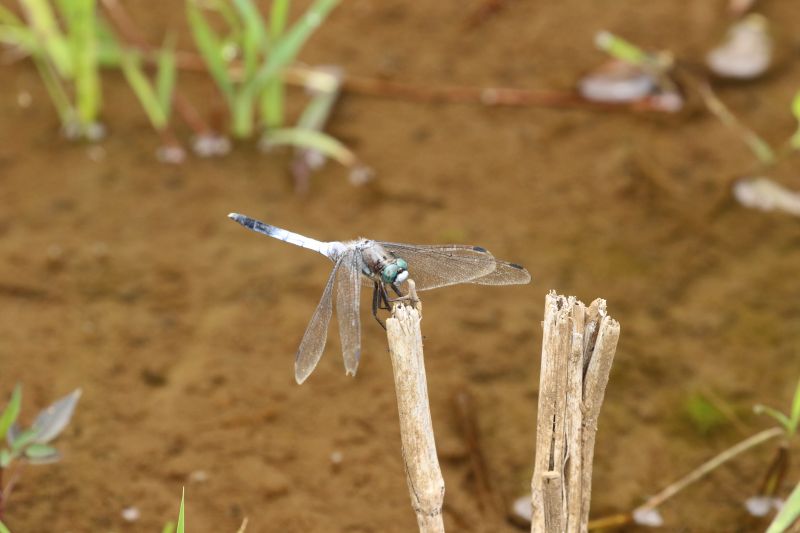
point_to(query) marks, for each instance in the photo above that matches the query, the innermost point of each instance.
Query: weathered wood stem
(423, 475)
(578, 347)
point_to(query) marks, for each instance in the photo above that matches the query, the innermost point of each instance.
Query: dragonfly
(382, 266)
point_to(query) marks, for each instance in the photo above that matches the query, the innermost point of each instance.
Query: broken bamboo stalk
(578, 347)
(423, 474)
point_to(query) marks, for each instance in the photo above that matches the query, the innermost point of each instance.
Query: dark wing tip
(517, 266)
(480, 249)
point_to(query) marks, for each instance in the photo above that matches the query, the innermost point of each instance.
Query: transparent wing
(348, 297)
(432, 266)
(316, 334)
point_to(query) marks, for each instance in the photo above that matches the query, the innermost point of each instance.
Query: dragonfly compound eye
(389, 273)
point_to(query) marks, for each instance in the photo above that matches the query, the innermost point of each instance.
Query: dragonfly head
(396, 272)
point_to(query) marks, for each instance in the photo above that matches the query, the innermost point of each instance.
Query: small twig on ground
(450, 94)
(709, 466)
(578, 348)
(423, 474)
(759, 147)
(490, 501)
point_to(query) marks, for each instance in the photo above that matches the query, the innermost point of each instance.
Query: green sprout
(32, 445)
(789, 513)
(65, 55)
(795, 140)
(170, 527)
(263, 53)
(156, 98)
(789, 422)
(619, 48)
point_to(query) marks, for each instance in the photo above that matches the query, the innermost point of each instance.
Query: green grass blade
(108, 48)
(55, 90)
(132, 69)
(169, 527)
(20, 37)
(278, 17)
(242, 119)
(3, 528)
(42, 20)
(166, 75)
(794, 418)
(180, 526)
(81, 17)
(312, 140)
(211, 48)
(272, 99)
(9, 17)
(317, 111)
(11, 412)
(795, 140)
(284, 50)
(254, 36)
(619, 48)
(788, 514)
(781, 418)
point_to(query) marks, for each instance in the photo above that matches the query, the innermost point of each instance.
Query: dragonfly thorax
(378, 264)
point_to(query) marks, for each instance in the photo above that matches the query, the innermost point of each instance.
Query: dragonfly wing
(313, 343)
(505, 273)
(432, 266)
(348, 297)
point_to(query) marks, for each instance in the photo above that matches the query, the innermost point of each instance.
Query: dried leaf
(52, 420)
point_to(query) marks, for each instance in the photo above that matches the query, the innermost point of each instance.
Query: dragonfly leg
(400, 296)
(377, 295)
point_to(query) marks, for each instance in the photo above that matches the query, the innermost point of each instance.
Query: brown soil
(124, 277)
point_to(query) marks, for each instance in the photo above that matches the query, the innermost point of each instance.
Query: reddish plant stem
(128, 30)
(450, 94)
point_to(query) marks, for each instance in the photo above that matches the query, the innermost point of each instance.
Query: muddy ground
(123, 276)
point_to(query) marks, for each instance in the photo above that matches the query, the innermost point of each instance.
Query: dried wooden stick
(423, 475)
(578, 348)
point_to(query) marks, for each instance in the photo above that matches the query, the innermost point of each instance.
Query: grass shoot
(262, 53)
(66, 56)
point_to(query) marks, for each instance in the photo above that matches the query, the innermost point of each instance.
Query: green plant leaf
(619, 48)
(794, 418)
(278, 17)
(210, 47)
(166, 76)
(42, 20)
(11, 412)
(254, 38)
(312, 140)
(788, 514)
(39, 454)
(143, 89)
(796, 106)
(19, 36)
(80, 16)
(795, 140)
(180, 526)
(3, 528)
(5, 458)
(284, 50)
(22, 440)
(9, 17)
(781, 418)
(272, 98)
(53, 419)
